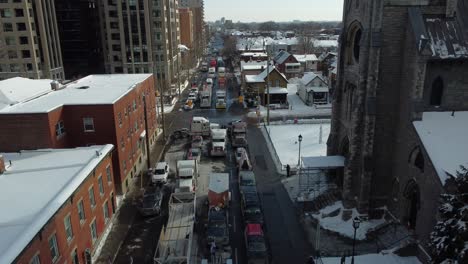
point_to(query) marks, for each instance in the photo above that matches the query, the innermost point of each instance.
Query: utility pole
(161, 95)
(148, 161)
(268, 87)
(178, 74)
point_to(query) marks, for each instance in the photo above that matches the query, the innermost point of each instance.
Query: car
(239, 154)
(180, 133)
(197, 142)
(188, 105)
(160, 173)
(194, 154)
(192, 96)
(151, 203)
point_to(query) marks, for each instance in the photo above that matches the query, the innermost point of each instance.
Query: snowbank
(291, 185)
(381, 258)
(336, 223)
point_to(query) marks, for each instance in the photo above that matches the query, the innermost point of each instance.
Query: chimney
(2, 164)
(55, 85)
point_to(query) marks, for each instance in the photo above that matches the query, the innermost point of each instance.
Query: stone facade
(387, 70)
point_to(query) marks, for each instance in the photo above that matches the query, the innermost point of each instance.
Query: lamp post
(299, 158)
(356, 223)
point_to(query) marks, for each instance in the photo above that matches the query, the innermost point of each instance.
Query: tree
(451, 232)
(306, 44)
(268, 26)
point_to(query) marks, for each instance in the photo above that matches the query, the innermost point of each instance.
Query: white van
(209, 81)
(212, 72)
(221, 72)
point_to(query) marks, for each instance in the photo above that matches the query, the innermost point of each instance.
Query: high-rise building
(186, 27)
(80, 37)
(29, 40)
(198, 23)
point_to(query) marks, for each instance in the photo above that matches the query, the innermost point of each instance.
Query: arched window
(417, 159)
(437, 91)
(354, 42)
(357, 45)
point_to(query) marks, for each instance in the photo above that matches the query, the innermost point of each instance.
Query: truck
(251, 209)
(218, 190)
(221, 72)
(220, 100)
(204, 67)
(212, 72)
(238, 132)
(205, 99)
(200, 126)
(217, 230)
(218, 142)
(255, 244)
(187, 170)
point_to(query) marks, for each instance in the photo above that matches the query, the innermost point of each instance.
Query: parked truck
(220, 99)
(200, 126)
(187, 171)
(218, 142)
(205, 97)
(238, 131)
(217, 230)
(255, 244)
(218, 190)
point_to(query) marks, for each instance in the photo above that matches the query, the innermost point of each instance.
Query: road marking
(234, 222)
(235, 254)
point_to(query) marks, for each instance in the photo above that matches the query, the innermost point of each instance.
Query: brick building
(62, 221)
(288, 64)
(398, 106)
(97, 109)
(186, 27)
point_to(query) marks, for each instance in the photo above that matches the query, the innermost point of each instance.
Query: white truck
(187, 171)
(205, 98)
(212, 72)
(218, 142)
(238, 134)
(220, 100)
(200, 126)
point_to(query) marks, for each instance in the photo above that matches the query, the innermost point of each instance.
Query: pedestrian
(288, 171)
(343, 259)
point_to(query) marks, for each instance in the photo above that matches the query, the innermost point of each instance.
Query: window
(136, 125)
(68, 227)
(14, 67)
(19, 12)
(12, 54)
(81, 212)
(35, 260)
(357, 44)
(93, 229)
(10, 41)
(134, 105)
(277, 83)
(59, 129)
(7, 27)
(23, 40)
(88, 123)
(92, 201)
(108, 174)
(125, 165)
(6, 13)
(120, 119)
(75, 258)
(437, 92)
(105, 210)
(417, 159)
(101, 186)
(116, 47)
(26, 53)
(54, 252)
(20, 26)
(122, 143)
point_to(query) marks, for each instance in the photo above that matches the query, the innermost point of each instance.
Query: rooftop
(90, 90)
(59, 172)
(18, 89)
(306, 57)
(444, 138)
(219, 182)
(310, 76)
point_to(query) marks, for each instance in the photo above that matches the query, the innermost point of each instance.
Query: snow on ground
(297, 108)
(285, 141)
(336, 223)
(381, 258)
(291, 185)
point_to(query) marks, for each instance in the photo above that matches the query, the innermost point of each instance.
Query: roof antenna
(453, 113)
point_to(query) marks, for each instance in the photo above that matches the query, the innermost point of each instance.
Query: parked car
(239, 153)
(180, 133)
(160, 173)
(194, 154)
(151, 203)
(197, 142)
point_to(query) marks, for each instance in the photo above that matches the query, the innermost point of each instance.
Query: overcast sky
(273, 10)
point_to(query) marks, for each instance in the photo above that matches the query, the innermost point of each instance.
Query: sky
(273, 10)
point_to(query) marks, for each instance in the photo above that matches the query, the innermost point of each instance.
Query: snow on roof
(444, 138)
(323, 162)
(325, 43)
(253, 65)
(281, 57)
(278, 90)
(219, 182)
(309, 77)
(253, 79)
(59, 172)
(90, 90)
(254, 54)
(18, 89)
(306, 57)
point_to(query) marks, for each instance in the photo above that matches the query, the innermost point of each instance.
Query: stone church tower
(398, 59)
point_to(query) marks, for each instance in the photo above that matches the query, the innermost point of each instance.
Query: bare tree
(306, 44)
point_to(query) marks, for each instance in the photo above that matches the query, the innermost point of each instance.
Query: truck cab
(220, 100)
(239, 134)
(187, 170)
(200, 126)
(218, 142)
(255, 244)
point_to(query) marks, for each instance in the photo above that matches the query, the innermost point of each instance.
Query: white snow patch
(345, 228)
(381, 258)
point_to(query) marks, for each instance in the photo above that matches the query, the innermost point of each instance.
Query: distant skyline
(274, 10)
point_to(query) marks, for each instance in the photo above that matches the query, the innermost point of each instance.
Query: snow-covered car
(197, 142)
(151, 203)
(194, 154)
(160, 173)
(192, 97)
(188, 105)
(239, 153)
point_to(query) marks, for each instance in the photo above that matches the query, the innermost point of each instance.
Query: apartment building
(197, 8)
(64, 220)
(141, 36)
(186, 27)
(80, 37)
(29, 40)
(97, 109)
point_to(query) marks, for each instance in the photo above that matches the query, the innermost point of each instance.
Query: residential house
(62, 201)
(255, 86)
(325, 61)
(309, 62)
(97, 109)
(287, 64)
(313, 89)
(251, 68)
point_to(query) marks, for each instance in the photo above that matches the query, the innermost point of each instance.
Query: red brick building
(68, 200)
(97, 109)
(288, 64)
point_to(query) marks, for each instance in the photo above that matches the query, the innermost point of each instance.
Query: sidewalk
(123, 218)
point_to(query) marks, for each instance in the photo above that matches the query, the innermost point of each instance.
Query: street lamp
(356, 223)
(299, 158)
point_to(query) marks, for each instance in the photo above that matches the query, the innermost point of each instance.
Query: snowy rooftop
(18, 89)
(444, 138)
(90, 90)
(59, 172)
(325, 43)
(306, 57)
(253, 65)
(253, 79)
(310, 76)
(219, 182)
(278, 90)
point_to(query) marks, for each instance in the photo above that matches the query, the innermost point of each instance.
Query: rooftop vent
(83, 87)
(55, 85)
